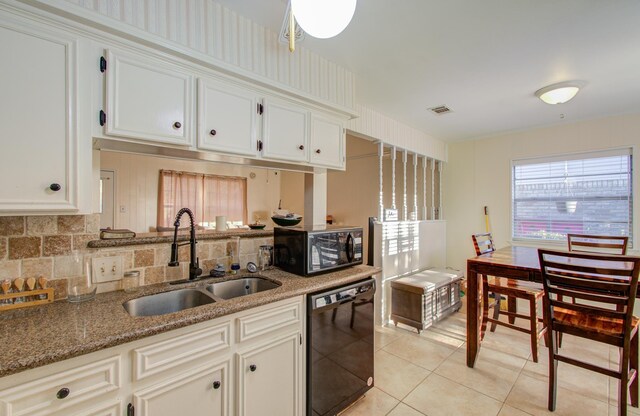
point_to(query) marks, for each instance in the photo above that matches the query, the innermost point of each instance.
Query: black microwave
(307, 251)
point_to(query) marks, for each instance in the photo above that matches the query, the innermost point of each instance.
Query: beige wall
(478, 173)
(292, 191)
(352, 195)
(137, 186)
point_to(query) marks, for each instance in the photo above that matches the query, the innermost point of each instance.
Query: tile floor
(426, 374)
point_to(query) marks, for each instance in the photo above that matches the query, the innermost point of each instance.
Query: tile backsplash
(34, 246)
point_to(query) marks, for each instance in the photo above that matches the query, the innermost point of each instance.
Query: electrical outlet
(107, 269)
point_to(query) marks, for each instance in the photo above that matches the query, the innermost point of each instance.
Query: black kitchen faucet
(194, 268)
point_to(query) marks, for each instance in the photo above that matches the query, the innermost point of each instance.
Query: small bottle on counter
(234, 268)
(131, 281)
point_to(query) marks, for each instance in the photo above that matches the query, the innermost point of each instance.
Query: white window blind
(579, 194)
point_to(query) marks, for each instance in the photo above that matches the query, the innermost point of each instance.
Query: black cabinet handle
(216, 385)
(62, 393)
(177, 124)
(318, 151)
(55, 187)
(301, 147)
(253, 367)
(213, 132)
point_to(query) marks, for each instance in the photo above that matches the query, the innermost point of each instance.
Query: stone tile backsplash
(34, 246)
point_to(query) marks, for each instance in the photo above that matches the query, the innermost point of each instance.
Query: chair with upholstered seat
(604, 287)
(518, 289)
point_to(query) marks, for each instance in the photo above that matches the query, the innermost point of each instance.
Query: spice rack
(14, 295)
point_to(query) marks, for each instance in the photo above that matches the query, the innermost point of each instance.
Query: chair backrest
(606, 244)
(483, 243)
(606, 285)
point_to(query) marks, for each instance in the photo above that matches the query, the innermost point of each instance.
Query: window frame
(615, 151)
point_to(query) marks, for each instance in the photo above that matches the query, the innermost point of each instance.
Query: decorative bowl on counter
(257, 226)
(287, 221)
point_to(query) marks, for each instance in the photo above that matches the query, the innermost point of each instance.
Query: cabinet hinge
(103, 64)
(103, 118)
(260, 108)
(259, 145)
(131, 411)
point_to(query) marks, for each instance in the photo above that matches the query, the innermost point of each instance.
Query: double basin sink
(181, 299)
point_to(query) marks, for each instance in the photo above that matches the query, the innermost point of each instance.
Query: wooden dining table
(513, 262)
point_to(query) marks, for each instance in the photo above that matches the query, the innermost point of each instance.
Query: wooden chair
(604, 244)
(611, 282)
(517, 289)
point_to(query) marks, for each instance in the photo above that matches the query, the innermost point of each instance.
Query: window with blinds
(577, 194)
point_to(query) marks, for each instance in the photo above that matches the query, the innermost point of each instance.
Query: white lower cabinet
(203, 369)
(63, 392)
(269, 378)
(200, 392)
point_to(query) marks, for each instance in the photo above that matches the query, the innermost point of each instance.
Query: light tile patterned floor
(426, 374)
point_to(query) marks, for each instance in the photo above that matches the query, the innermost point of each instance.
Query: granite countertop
(54, 332)
(167, 237)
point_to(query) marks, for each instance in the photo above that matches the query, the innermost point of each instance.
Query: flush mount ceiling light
(323, 18)
(558, 93)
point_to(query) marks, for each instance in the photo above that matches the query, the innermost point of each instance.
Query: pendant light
(323, 18)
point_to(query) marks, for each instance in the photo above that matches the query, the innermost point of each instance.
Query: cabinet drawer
(182, 351)
(110, 408)
(260, 323)
(47, 395)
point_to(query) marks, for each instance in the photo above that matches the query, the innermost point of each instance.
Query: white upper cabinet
(227, 118)
(148, 99)
(327, 142)
(38, 124)
(285, 131)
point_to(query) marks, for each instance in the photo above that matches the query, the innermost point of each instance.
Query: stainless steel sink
(167, 302)
(241, 287)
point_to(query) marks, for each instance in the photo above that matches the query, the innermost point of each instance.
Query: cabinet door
(227, 118)
(269, 378)
(148, 99)
(201, 392)
(327, 142)
(285, 131)
(38, 105)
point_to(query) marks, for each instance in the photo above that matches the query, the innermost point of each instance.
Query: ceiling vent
(440, 110)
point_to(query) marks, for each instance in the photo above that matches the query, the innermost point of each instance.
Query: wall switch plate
(107, 269)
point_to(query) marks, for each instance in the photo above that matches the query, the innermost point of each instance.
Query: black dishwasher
(339, 347)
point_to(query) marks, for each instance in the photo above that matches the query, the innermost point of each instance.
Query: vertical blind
(578, 194)
(206, 195)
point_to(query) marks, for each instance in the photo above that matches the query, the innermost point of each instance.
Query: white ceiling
(483, 59)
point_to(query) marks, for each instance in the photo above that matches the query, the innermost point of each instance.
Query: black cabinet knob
(177, 124)
(301, 147)
(253, 367)
(213, 132)
(216, 385)
(318, 151)
(55, 187)
(62, 393)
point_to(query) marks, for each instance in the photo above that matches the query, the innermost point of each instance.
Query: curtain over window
(580, 194)
(206, 195)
